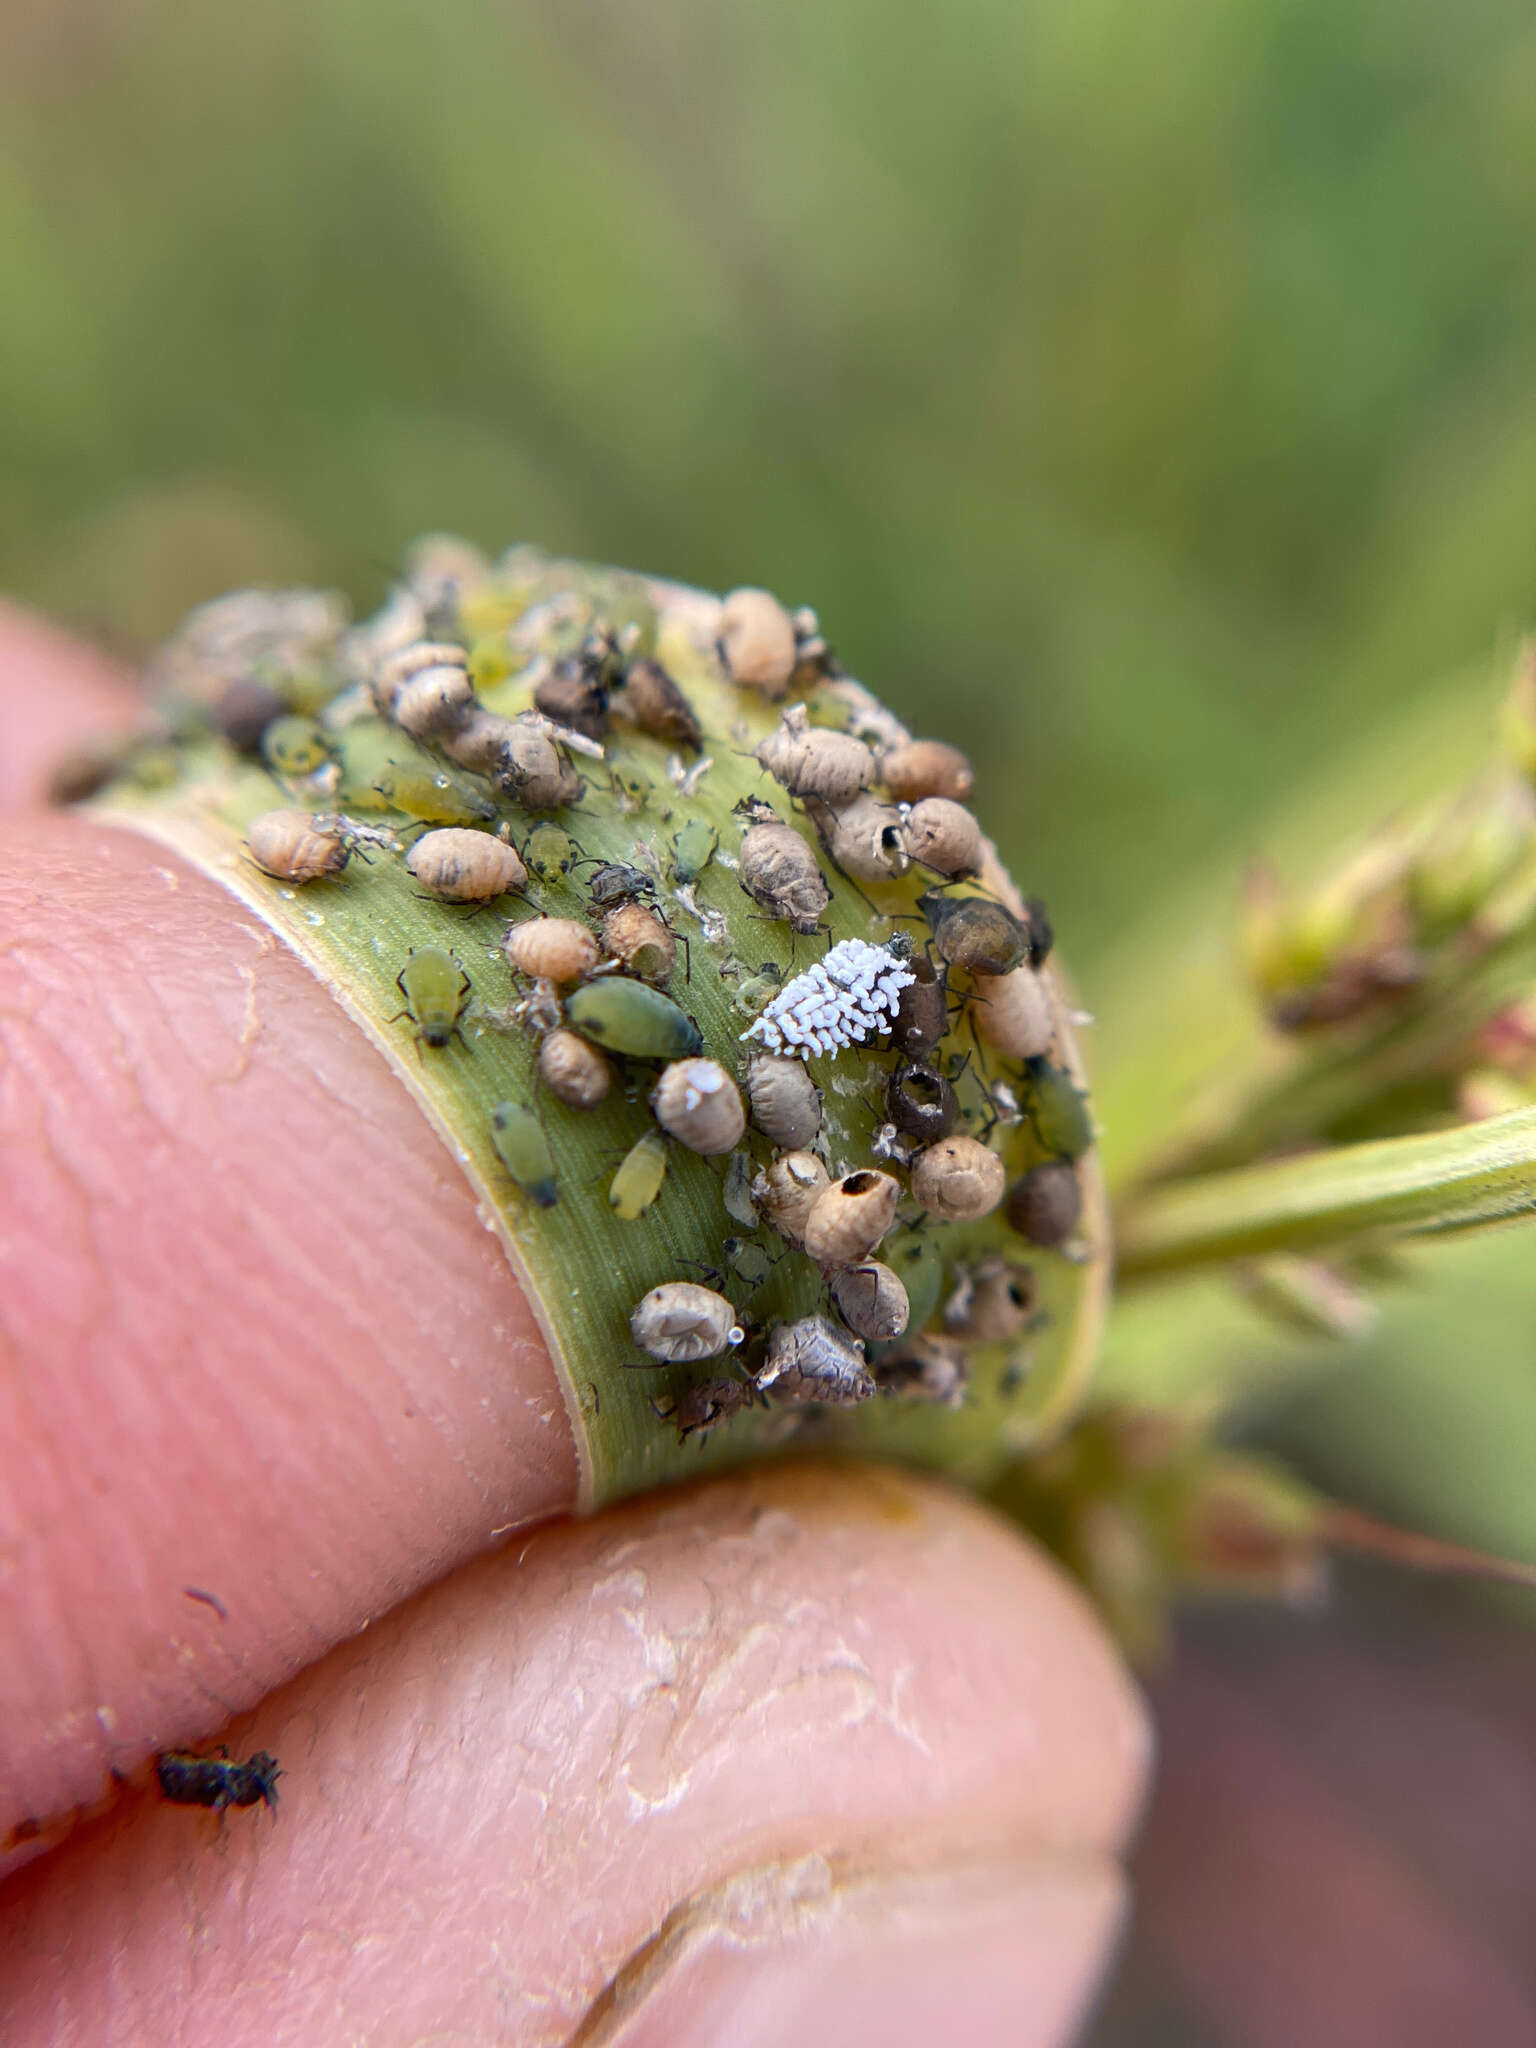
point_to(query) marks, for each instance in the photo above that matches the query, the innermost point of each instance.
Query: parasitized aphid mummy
(850, 994)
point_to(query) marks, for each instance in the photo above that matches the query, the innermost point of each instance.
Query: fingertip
(56, 692)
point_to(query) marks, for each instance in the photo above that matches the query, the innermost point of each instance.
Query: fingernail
(994, 1957)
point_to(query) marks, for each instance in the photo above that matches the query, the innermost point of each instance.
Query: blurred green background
(1143, 393)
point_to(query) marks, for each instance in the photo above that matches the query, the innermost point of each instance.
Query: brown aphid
(958, 1179)
(574, 693)
(697, 1410)
(867, 839)
(924, 768)
(788, 1190)
(640, 942)
(573, 1071)
(243, 711)
(656, 705)
(681, 1322)
(924, 1369)
(1047, 1204)
(479, 741)
(871, 1301)
(779, 871)
(974, 933)
(922, 1010)
(422, 658)
(812, 1360)
(944, 836)
(286, 845)
(850, 1216)
(534, 771)
(757, 641)
(920, 1102)
(1012, 1012)
(556, 949)
(786, 1103)
(810, 761)
(697, 1102)
(993, 1301)
(459, 865)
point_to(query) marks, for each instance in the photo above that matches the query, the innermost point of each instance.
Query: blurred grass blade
(1462, 1179)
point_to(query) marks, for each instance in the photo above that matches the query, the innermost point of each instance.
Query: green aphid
(295, 748)
(632, 1018)
(693, 849)
(754, 994)
(523, 1150)
(1058, 1109)
(431, 795)
(435, 988)
(632, 789)
(916, 1261)
(549, 854)
(641, 1172)
(747, 1260)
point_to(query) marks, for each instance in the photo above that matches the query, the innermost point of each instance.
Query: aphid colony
(597, 994)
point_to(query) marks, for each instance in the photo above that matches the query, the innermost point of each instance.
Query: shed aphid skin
(680, 1322)
(849, 996)
(462, 866)
(693, 848)
(288, 846)
(523, 1150)
(639, 1178)
(436, 989)
(812, 1360)
(632, 1018)
(810, 761)
(218, 1782)
(779, 872)
(557, 949)
(697, 1102)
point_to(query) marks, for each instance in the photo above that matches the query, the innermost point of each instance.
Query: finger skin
(817, 1680)
(254, 1337)
(54, 693)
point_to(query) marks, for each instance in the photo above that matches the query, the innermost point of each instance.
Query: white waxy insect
(850, 994)
(681, 1322)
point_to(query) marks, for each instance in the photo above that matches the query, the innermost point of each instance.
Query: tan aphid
(434, 699)
(871, 1301)
(697, 1102)
(757, 641)
(788, 1190)
(286, 845)
(944, 836)
(681, 1322)
(638, 940)
(479, 741)
(867, 838)
(958, 1179)
(850, 1217)
(398, 670)
(810, 761)
(1012, 1012)
(786, 1103)
(554, 949)
(463, 866)
(573, 1071)
(923, 768)
(536, 773)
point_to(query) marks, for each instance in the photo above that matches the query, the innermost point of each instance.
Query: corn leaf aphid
(287, 846)
(850, 1216)
(754, 994)
(778, 870)
(697, 1410)
(975, 934)
(1046, 1204)
(944, 836)
(294, 748)
(680, 1322)
(871, 1301)
(435, 988)
(632, 1018)
(786, 1103)
(746, 1260)
(697, 1102)
(812, 1360)
(958, 1179)
(920, 1102)
(573, 1071)
(1012, 1012)
(557, 949)
(1058, 1109)
(850, 994)
(523, 1150)
(550, 853)
(693, 849)
(924, 768)
(638, 1180)
(431, 795)
(218, 1782)
(463, 866)
(653, 702)
(992, 1301)
(757, 641)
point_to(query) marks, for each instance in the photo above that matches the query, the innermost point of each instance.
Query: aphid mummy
(850, 1217)
(992, 1302)
(478, 741)
(1012, 1012)
(434, 696)
(1046, 1204)
(923, 768)
(975, 934)
(867, 839)
(925, 1369)
(574, 693)
(535, 773)
(958, 1179)
(653, 702)
(396, 672)
(640, 942)
(696, 1101)
(787, 1191)
(681, 1322)
(573, 1071)
(757, 641)
(786, 1103)
(287, 846)
(462, 866)
(871, 1301)
(920, 1102)
(849, 995)
(944, 836)
(697, 1410)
